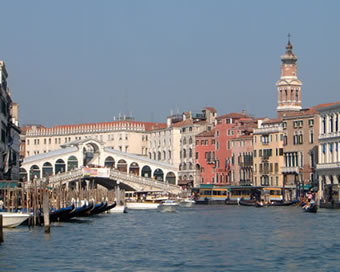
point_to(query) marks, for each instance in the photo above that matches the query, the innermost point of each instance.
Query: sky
(82, 61)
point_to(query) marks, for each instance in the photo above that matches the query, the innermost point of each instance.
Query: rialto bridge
(89, 159)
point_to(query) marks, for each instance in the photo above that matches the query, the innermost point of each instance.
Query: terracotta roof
(235, 115)
(183, 123)
(242, 137)
(272, 121)
(207, 133)
(311, 110)
(211, 109)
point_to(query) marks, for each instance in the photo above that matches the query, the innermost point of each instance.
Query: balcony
(329, 135)
(330, 166)
(290, 170)
(267, 130)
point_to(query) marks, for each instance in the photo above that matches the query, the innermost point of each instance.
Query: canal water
(203, 238)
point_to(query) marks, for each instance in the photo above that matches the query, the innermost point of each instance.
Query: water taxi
(144, 200)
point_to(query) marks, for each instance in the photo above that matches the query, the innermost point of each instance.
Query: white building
(328, 168)
(125, 136)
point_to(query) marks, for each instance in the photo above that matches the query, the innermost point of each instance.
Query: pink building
(205, 156)
(229, 127)
(242, 160)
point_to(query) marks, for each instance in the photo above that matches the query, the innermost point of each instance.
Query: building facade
(229, 127)
(9, 144)
(125, 136)
(205, 156)
(328, 167)
(300, 147)
(242, 160)
(268, 153)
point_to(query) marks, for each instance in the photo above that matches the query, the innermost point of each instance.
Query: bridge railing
(142, 180)
(114, 174)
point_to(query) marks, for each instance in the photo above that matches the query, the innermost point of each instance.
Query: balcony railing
(329, 135)
(323, 166)
(290, 170)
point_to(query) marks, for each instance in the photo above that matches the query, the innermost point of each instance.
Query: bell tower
(288, 86)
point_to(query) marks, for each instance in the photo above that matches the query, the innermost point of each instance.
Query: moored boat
(60, 214)
(98, 208)
(142, 205)
(118, 209)
(12, 220)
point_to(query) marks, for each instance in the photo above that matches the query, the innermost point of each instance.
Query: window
(310, 122)
(311, 137)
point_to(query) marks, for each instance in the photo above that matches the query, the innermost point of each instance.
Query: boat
(98, 208)
(12, 219)
(118, 209)
(108, 207)
(187, 203)
(144, 200)
(60, 214)
(254, 203)
(282, 203)
(312, 208)
(168, 206)
(78, 212)
(142, 205)
(212, 195)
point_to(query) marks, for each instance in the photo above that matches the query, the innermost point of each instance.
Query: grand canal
(203, 238)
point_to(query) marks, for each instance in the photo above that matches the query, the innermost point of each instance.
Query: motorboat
(168, 206)
(187, 203)
(118, 209)
(142, 205)
(12, 220)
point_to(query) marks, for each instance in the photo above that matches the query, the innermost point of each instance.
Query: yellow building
(268, 154)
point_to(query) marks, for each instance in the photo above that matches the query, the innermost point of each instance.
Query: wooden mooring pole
(1, 233)
(46, 210)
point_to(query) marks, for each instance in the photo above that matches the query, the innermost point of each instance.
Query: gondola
(109, 207)
(253, 203)
(312, 208)
(59, 214)
(98, 208)
(80, 211)
(279, 203)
